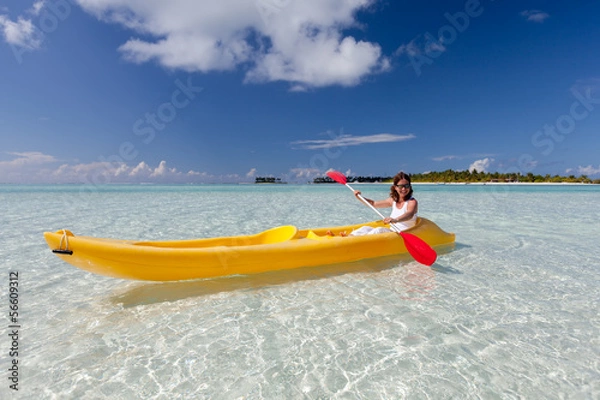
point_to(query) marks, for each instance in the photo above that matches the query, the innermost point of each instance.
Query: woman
(404, 207)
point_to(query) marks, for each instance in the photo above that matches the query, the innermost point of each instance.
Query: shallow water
(510, 312)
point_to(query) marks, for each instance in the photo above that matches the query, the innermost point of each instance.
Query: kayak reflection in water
(404, 207)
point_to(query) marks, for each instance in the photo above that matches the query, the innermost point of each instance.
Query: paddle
(416, 246)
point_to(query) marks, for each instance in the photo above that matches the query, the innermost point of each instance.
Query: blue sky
(111, 91)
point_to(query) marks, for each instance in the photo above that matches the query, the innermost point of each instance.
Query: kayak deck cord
(66, 250)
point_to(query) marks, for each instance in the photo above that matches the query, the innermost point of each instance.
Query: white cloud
(36, 167)
(422, 45)
(535, 15)
(410, 48)
(307, 174)
(37, 7)
(462, 157)
(590, 170)
(296, 41)
(24, 164)
(251, 173)
(349, 140)
(27, 158)
(163, 171)
(142, 170)
(21, 33)
(446, 158)
(481, 165)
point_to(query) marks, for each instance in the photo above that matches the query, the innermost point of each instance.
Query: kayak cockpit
(274, 235)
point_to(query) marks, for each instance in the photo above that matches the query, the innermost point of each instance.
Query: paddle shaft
(394, 227)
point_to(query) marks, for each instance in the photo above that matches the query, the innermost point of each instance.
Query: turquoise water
(511, 312)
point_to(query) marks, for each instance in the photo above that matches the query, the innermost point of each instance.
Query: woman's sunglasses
(405, 186)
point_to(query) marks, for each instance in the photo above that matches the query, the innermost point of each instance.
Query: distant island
(452, 176)
(268, 179)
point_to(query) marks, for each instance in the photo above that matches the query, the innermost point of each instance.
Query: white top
(396, 212)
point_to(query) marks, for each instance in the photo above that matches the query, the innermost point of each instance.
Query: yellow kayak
(279, 248)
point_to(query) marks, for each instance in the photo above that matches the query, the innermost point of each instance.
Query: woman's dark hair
(394, 193)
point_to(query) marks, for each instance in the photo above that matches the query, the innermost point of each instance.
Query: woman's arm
(377, 204)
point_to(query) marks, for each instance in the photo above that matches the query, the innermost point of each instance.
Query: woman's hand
(388, 220)
(358, 196)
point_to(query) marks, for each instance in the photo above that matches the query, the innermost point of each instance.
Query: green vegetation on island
(452, 176)
(268, 179)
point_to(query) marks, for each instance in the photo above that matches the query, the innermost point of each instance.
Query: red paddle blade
(337, 176)
(421, 251)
